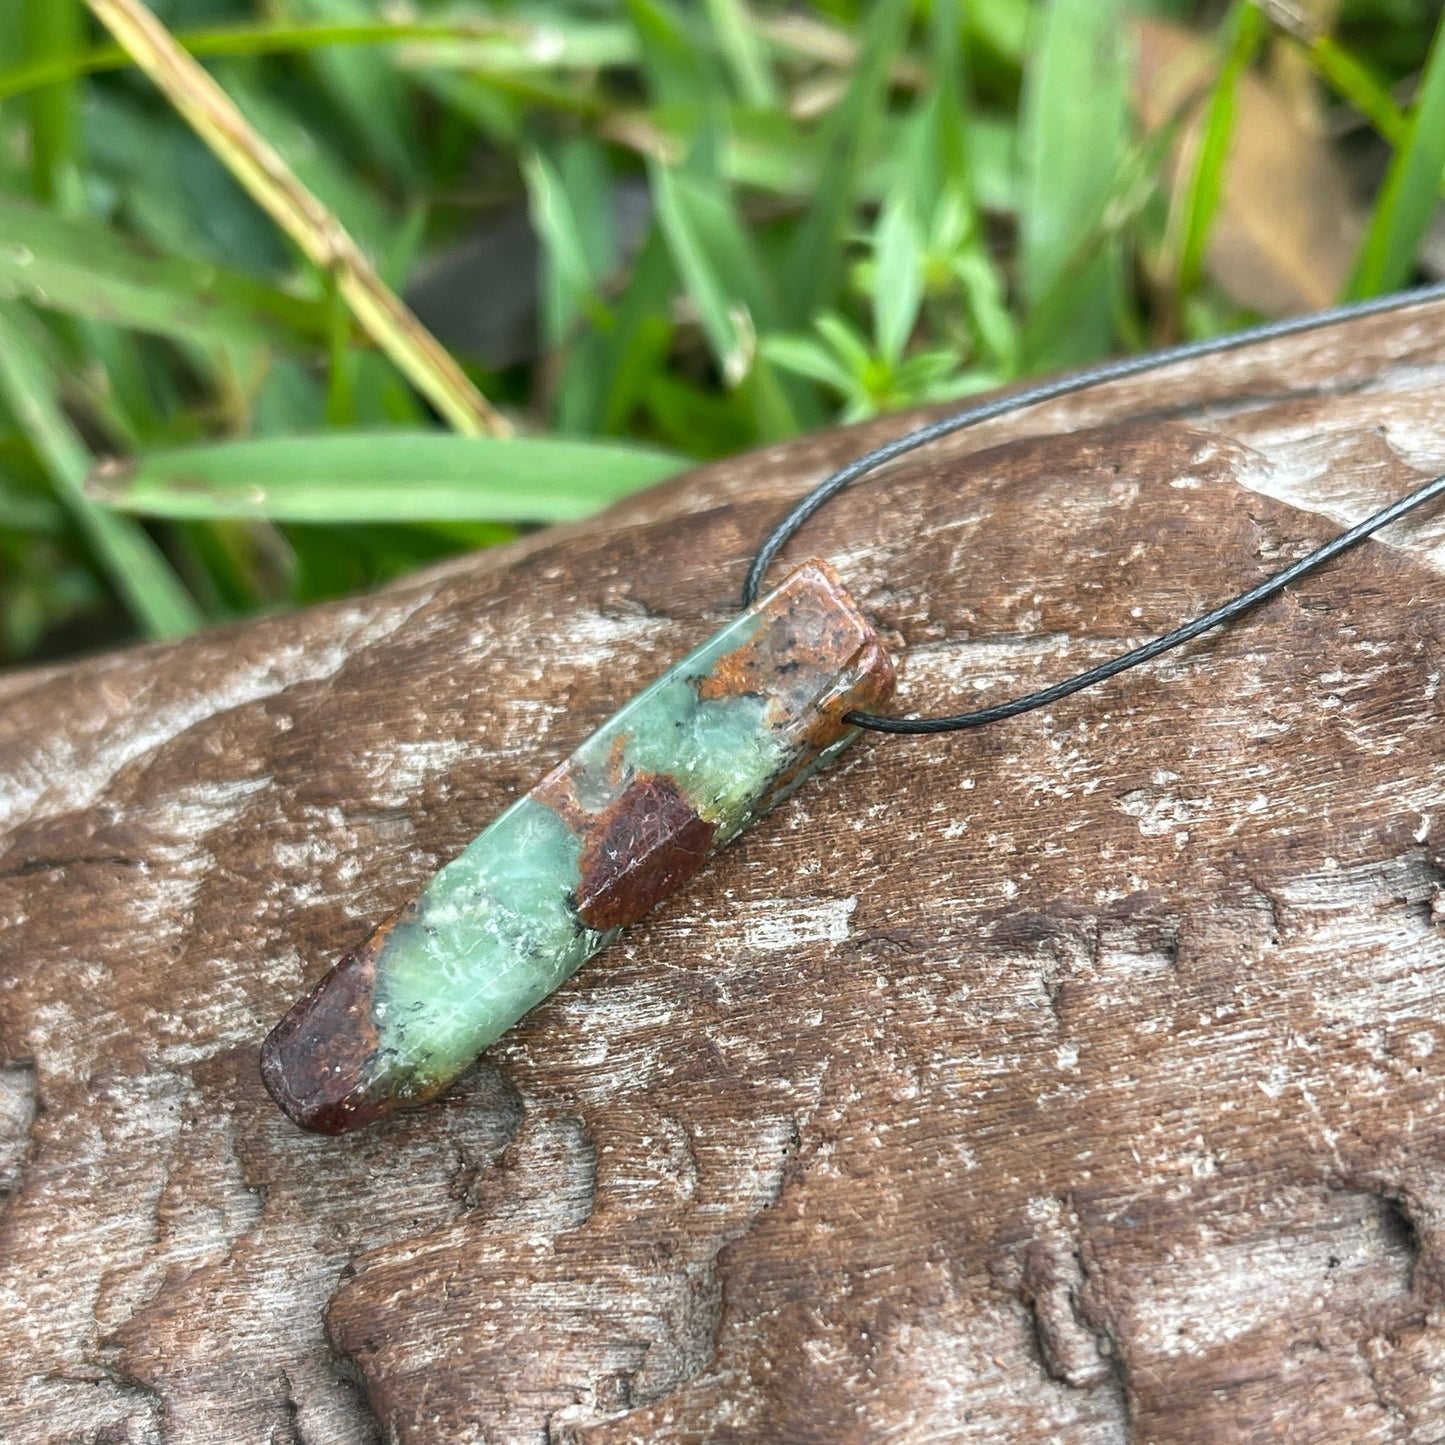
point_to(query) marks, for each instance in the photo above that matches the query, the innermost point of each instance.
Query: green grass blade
(711, 248)
(173, 193)
(1411, 191)
(1074, 109)
(587, 178)
(24, 510)
(574, 212)
(392, 476)
(816, 265)
(1098, 249)
(366, 88)
(359, 207)
(555, 43)
(87, 269)
(481, 46)
(1355, 83)
(1001, 26)
(1245, 31)
(763, 150)
(341, 362)
(943, 116)
(897, 278)
(992, 145)
(566, 276)
(805, 357)
(738, 39)
(135, 565)
(614, 378)
(52, 33)
(714, 255)
(725, 278)
(679, 70)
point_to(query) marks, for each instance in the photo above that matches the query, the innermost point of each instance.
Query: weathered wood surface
(1080, 1078)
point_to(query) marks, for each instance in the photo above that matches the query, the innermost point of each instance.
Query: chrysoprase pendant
(681, 770)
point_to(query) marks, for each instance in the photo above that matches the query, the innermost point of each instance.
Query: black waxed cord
(845, 476)
(1190, 630)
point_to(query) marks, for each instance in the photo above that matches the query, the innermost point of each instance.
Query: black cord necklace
(958, 421)
(681, 770)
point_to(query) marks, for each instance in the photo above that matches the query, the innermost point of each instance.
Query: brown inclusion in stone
(643, 847)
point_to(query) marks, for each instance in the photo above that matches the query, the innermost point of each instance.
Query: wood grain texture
(1080, 1078)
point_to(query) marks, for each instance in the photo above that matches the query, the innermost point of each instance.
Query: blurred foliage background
(650, 232)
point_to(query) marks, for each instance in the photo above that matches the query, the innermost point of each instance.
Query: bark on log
(1079, 1078)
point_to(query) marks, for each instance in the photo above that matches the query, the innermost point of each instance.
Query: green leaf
(763, 150)
(587, 177)
(171, 191)
(846, 342)
(1411, 191)
(685, 414)
(1074, 109)
(992, 144)
(805, 357)
(897, 278)
(87, 269)
(390, 476)
(136, 567)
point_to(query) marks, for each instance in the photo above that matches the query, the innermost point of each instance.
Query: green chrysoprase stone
(682, 769)
(491, 936)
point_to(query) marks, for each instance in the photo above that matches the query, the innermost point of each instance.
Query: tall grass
(643, 233)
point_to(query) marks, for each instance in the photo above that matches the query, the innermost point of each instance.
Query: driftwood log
(1076, 1079)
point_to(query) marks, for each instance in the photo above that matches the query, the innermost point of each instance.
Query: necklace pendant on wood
(679, 772)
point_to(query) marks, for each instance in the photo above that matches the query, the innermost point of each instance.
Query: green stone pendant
(681, 770)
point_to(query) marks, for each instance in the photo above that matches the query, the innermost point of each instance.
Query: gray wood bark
(1080, 1078)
